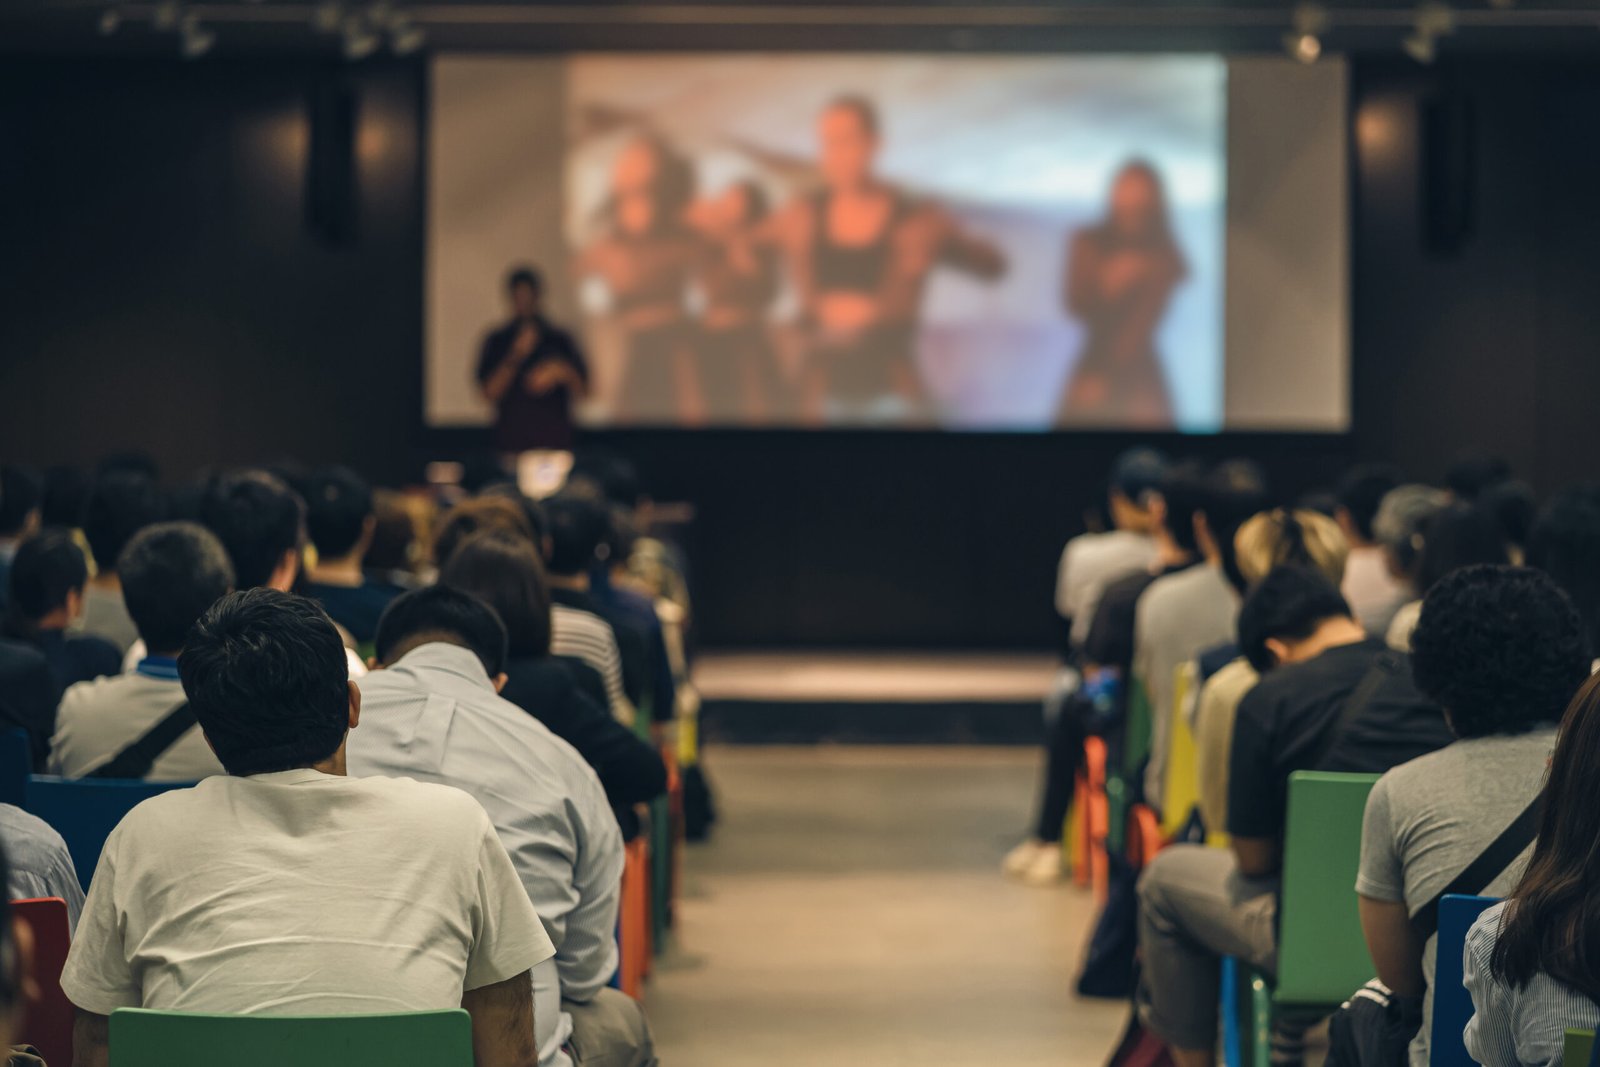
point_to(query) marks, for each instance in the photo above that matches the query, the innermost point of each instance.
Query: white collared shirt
(434, 716)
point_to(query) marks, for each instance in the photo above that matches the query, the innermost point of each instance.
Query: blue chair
(84, 811)
(16, 763)
(1452, 1005)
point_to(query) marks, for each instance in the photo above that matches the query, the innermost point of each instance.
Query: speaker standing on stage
(531, 371)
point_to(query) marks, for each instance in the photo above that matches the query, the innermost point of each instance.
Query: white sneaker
(1024, 856)
(1046, 868)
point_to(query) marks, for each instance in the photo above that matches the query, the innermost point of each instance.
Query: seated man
(578, 629)
(1092, 561)
(279, 888)
(48, 576)
(41, 865)
(1330, 699)
(1502, 651)
(433, 713)
(341, 522)
(21, 493)
(138, 725)
(120, 504)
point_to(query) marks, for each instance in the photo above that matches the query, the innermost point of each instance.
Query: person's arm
(1081, 289)
(1393, 943)
(497, 371)
(588, 954)
(629, 769)
(502, 1023)
(1258, 857)
(968, 252)
(1491, 1036)
(1255, 800)
(91, 1042)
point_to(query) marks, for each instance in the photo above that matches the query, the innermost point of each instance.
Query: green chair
(1578, 1048)
(1322, 954)
(179, 1039)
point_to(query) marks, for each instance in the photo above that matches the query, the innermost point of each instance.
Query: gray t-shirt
(1427, 820)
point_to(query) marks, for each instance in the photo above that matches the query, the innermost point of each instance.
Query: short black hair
(576, 529)
(120, 504)
(1289, 603)
(1514, 506)
(1471, 474)
(267, 677)
(62, 496)
(47, 568)
(1235, 490)
(338, 504)
(257, 518)
(442, 612)
(525, 275)
(1361, 491)
(503, 570)
(21, 491)
(171, 573)
(1565, 544)
(1501, 649)
(1183, 491)
(1137, 473)
(612, 472)
(1458, 536)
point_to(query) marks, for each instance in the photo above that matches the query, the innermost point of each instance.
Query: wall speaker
(332, 196)
(1447, 170)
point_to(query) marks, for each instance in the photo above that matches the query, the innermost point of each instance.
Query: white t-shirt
(97, 720)
(1089, 563)
(301, 893)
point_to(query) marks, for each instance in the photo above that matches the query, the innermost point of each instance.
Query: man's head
(259, 521)
(1280, 619)
(266, 675)
(526, 288)
(1457, 536)
(1135, 487)
(475, 516)
(1565, 544)
(577, 528)
(1234, 491)
(47, 580)
(21, 494)
(1359, 495)
(120, 504)
(1501, 649)
(442, 615)
(1183, 496)
(339, 513)
(172, 573)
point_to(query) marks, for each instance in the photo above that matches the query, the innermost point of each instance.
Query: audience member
(20, 492)
(395, 557)
(16, 966)
(504, 571)
(1330, 698)
(1513, 506)
(576, 529)
(622, 601)
(28, 696)
(1533, 962)
(433, 713)
(120, 504)
(1458, 535)
(1473, 474)
(1266, 541)
(1371, 587)
(279, 887)
(475, 516)
(48, 575)
(260, 522)
(1183, 614)
(1107, 656)
(1400, 527)
(40, 864)
(341, 523)
(1502, 651)
(1565, 543)
(138, 724)
(1092, 561)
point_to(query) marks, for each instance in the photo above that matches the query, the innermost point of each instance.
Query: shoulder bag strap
(1490, 864)
(136, 760)
(1360, 700)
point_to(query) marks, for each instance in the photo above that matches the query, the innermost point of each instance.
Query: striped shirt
(1518, 1027)
(586, 636)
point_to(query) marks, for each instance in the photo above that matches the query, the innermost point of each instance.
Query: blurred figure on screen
(531, 371)
(860, 253)
(1120, 276)
(738, 282)
(647, 258)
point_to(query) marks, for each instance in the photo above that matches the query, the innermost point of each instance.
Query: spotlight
(408, 39)
(195, 40)
(1304, 47)
(166, 14)
(110, 21)
(325, 17)
(359, 41)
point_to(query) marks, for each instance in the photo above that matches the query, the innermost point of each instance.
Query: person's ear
(500, 681)
(284, 574)
(1281, 650)
(373, 664)
(74, 604)
(355, 704)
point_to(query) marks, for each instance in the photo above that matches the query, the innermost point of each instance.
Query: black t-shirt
(1282, 722)
(524, 420)
(1110, 640)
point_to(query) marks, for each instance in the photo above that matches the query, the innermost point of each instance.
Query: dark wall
(158, 288)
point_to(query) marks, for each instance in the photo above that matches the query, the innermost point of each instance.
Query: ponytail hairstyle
(1285, 536)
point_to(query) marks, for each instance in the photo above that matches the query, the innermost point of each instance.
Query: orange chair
(1096, 815)
(47, 1023)
(634, 937)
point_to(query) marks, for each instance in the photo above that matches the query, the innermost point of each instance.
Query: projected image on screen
(985, 243)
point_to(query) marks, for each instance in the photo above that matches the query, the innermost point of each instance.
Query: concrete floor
(850, 911)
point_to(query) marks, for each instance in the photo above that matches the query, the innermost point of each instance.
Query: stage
(872, 698)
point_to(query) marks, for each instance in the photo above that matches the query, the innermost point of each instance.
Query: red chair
(634, 937)
(47, 1022)
(1094, 811)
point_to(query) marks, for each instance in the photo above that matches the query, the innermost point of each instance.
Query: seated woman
(1533, 962)
(503, 569)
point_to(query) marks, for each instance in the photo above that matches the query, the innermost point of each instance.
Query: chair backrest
(1322, 955)
(85, 811)
(1180, 789)
(179, 1039)
(47, 1022)
(1578, 1048)
(1452, 1004)
(16, 763)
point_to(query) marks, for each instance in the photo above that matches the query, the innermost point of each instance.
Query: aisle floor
(850, 911)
